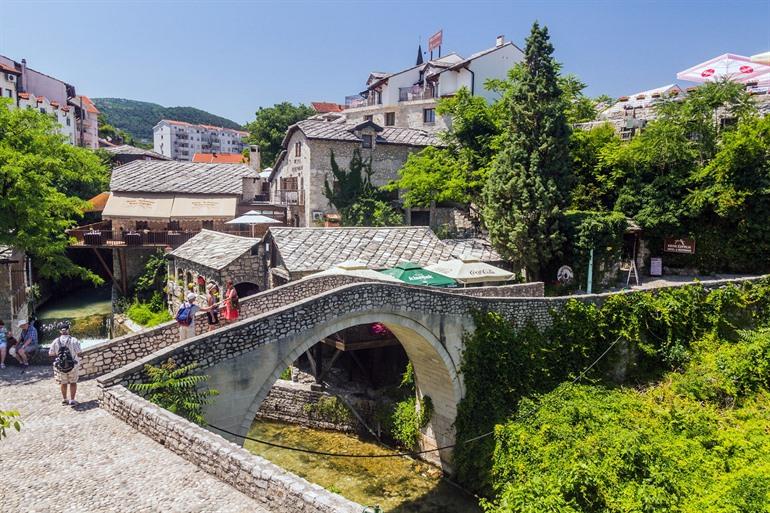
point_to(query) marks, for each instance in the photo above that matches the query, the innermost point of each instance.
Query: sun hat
(191, 296)
(21, 322)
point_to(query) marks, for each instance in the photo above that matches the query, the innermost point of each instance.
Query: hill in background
(137, 118)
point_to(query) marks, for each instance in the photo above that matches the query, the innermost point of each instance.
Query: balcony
(288, 197)
(408, 94)
(356, 101)
(101, 235)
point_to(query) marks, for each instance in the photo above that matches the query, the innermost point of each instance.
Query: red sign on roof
(435, 40)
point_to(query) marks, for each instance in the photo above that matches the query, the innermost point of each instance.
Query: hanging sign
(686, 246)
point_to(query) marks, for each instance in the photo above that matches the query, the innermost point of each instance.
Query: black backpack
(64, 361)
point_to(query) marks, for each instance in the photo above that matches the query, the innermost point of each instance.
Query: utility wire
(411, 453)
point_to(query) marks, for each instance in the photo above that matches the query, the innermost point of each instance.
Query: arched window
(188, 280)
(201, 285)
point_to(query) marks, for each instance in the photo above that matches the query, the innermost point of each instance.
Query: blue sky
(231, 57)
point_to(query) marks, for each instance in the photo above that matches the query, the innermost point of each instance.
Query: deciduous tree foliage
(43, 187)
(529, 182)
(269, 128)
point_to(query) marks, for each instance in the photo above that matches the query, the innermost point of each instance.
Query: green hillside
(137, 118)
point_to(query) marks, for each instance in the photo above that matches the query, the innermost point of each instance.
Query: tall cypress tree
(529, 182)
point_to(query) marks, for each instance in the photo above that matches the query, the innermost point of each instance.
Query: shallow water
(397, 484)
(89, 311)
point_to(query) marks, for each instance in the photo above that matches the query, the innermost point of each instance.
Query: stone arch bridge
(245, 358)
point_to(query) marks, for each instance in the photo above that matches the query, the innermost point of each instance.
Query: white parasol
(358, 269)
(737, 68)
(470, 270)
(253, 218)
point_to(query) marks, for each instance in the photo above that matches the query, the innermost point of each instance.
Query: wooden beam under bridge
(108, 271)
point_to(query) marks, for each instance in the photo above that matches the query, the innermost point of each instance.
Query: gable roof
(180, 177)
(215, 250)
(318, 249)
(127, 149)
(477, 248)
(340, 130)
(324, 107)
(219, 158)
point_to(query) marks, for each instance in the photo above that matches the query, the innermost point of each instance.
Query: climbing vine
(655, 331)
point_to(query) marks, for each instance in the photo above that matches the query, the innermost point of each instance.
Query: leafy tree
(8, 420)
(118, 136)
(371, 211)
(43, 186)
(269, 127)
(529, 182)
(177, 390)
(432, 175)
(594, 182)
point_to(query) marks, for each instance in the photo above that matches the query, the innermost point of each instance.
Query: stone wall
(280, 491)
(294, 403)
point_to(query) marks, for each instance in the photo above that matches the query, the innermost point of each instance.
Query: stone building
(297, 180)
(293, 253)
(13, 288)
(213, 257)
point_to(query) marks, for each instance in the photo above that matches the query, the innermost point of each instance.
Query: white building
(408, 98)
(30, 89)
(181, 141)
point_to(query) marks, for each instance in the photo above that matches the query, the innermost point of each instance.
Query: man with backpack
(66, 350)
(185, 316)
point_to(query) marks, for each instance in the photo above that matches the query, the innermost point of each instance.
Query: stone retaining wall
(121, 351)
(279, 490)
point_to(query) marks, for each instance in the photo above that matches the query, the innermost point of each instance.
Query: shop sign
(686, 246)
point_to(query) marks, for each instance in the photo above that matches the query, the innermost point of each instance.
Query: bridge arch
(246, 381)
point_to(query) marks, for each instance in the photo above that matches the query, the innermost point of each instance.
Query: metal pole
(590, 271)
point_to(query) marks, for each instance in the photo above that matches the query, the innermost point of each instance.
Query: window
(366, 141)
(390, 118)
(42, 110)
(141, 225)
(207, 225)
(68, 122)
(9, 93)
(369, 117)
(173, 225)
(297, 149)
(428, 116)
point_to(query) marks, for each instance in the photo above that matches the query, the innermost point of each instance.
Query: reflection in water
(398, 485)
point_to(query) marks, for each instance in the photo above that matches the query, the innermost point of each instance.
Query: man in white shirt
(66, 349)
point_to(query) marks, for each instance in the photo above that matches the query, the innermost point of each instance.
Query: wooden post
(107, 270)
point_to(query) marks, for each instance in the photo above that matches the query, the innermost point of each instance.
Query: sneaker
(73, 402)
(2, 366)
(65, 402)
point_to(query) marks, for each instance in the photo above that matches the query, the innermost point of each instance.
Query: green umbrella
(413, 274)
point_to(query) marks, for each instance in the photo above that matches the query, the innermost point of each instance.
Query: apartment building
(30, 89)
(408, 97)
(181, 141)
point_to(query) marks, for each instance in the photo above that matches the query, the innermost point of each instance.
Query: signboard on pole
(686, 246)
(435, 40)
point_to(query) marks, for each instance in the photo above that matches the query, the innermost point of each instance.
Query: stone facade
(13, 288)
(280, 491)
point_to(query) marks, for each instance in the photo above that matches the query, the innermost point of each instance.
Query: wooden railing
(288, 197)
(138, 238)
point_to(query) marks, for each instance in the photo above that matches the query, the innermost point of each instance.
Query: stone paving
(83, 460)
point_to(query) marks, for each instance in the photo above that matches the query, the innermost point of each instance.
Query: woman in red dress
(231, 302)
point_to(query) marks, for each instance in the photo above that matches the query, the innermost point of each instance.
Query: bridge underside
(244, 381)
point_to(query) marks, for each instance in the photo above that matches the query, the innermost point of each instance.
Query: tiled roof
(318, 249)
(86, 102)
(9, 69)
(480, 249)
(341, 131)
(323, 107)
(127, 149)
(98, 202)
(24, 96)
(180, 177)
(219, 158)
(214, 250)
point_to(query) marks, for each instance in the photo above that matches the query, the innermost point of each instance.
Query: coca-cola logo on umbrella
(707, 72)
(746, 69)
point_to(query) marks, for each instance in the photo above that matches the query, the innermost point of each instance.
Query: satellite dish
(565, 275)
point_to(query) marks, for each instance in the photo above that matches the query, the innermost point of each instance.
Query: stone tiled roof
(215, 250)
(478, 248)
(127, 149)
(180, 177)
(341, 131)
(318, 249)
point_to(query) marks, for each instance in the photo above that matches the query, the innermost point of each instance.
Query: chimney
(500, 41)
(22, 87)
(254, 157)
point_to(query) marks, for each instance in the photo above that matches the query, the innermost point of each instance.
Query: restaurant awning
(205, 207)
(470, 270)
(737, 68)
(413, 274)
(145, 206)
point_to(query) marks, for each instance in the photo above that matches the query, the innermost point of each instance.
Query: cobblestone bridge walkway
(83, 460)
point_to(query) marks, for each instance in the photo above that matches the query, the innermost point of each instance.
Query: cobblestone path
(83, 460)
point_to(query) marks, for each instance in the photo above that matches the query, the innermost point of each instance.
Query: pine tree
(529, 182)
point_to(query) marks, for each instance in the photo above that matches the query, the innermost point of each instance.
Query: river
(398, 485)
(88, 309)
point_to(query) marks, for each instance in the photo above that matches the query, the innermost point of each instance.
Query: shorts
(186, 332)
(65, 378)
(3, 344)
